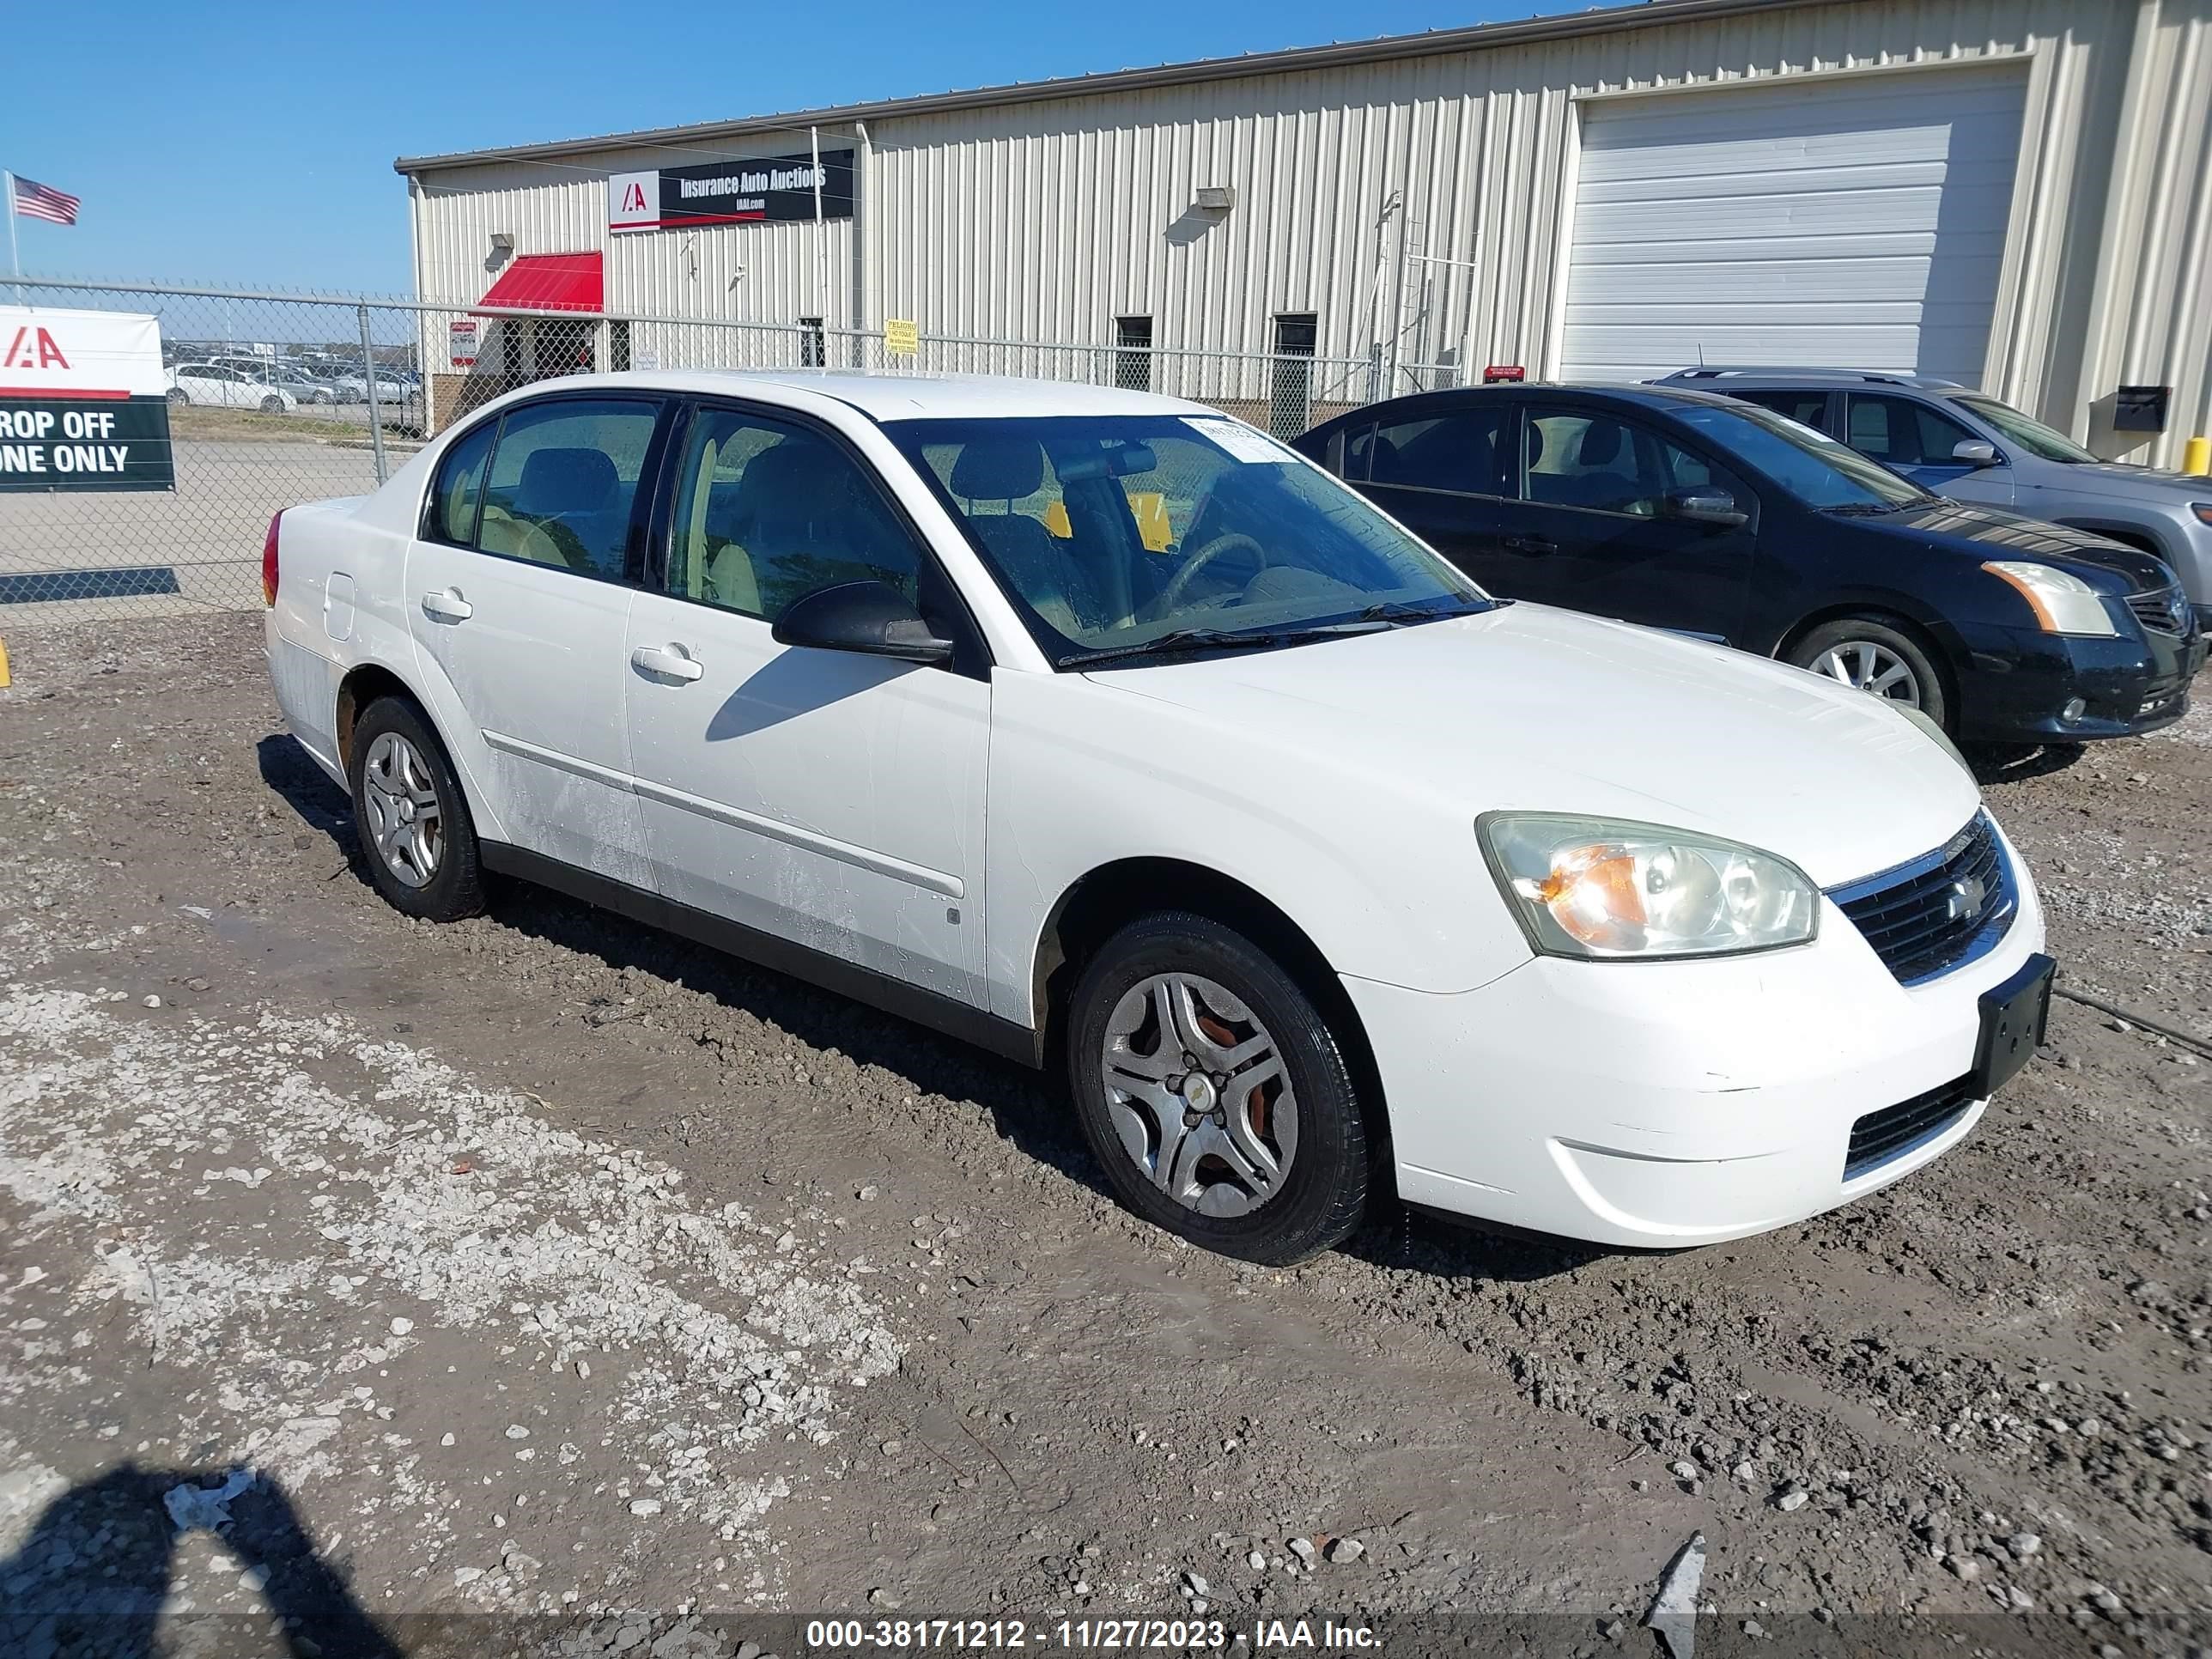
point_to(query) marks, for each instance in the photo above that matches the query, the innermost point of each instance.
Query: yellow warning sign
(901, 336)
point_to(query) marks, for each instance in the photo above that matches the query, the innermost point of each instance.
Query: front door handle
(1531, 545)
(669, 661)
(446, 605)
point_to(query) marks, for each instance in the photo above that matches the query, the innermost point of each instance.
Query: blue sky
(253, 144)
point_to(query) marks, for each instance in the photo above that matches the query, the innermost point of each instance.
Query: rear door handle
(1531, 545)
(669, 661)
(446, 605)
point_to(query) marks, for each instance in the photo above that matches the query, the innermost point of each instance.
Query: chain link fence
(276, 398)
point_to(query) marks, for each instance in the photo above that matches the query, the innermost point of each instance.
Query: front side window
(768, 512)
(1590, 460)
(1814, 469)
(1114, 533)
(1806, 408)
(459, 489)
(1900, 432)
(1459, 452)
(2046, 443)
(563, 481)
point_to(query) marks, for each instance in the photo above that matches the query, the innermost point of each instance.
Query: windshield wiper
(1397, 610)
(1867, 509)
(1182, 642)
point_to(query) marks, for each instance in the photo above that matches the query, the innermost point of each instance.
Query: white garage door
(1857, 222)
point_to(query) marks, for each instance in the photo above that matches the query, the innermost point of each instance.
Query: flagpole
(14, 252)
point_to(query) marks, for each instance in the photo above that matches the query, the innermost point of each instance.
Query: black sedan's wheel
(1214, 1093)
(1875, 658)
(413, 821)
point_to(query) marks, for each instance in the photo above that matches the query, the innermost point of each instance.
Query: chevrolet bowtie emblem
(1964, 902)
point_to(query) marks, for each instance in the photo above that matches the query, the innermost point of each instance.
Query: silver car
(1972, 448)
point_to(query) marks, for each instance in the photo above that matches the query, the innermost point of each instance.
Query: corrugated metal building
(2012, 192)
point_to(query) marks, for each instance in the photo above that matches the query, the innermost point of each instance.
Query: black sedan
(1712, 517)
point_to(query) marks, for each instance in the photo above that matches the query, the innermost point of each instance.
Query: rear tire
(1862, 652)
(412, 819)
(1257, 1150)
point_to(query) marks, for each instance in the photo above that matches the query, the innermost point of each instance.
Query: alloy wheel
(406, 818)
(1866, 666)
(1199, 1094)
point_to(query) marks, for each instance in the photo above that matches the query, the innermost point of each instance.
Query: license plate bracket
(2014, 1017)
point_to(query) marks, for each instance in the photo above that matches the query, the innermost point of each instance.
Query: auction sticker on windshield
(1240, 441)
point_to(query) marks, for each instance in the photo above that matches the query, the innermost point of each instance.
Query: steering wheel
(1172, 595)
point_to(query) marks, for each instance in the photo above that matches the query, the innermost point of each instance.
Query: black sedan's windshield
(1811, 466)
(1123, 536)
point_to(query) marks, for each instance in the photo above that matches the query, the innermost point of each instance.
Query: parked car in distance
(1321, 869)
(217, 386)
(352, 387)
(1706, 515)
(1974, 447)
(304, 386)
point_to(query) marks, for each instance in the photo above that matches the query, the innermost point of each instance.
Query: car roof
(891, 396)
(1733, 374)
(1655, 398)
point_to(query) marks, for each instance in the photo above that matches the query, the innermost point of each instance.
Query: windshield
(1114, 533)
(2031, 435)
(1811, 466)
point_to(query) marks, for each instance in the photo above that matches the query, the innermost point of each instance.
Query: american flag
(36, 201)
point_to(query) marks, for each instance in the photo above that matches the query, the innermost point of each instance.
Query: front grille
(1928, 916)
(2162, 609)
(1880, 1136)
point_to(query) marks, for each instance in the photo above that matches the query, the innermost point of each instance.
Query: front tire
(272, 405)
(178, 397)
(411, 817)
(1878, 659)
(1213, 1092)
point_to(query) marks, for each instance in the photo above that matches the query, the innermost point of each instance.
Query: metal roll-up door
(1857, 221)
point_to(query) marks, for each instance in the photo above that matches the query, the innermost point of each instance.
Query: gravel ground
(367, 1282)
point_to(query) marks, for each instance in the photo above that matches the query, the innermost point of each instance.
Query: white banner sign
(46, 353)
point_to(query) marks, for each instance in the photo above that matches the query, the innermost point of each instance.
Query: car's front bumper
(2018, 685)
(1664, 1104)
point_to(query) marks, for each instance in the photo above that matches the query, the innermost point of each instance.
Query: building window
(813, 343)
(1290, 393)
(1133, 354)
(618, 345)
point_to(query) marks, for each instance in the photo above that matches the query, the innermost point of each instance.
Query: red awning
(550, 282)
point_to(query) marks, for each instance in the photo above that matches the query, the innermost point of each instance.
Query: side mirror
(1974, 453)
(871, 617)
(1705, 505)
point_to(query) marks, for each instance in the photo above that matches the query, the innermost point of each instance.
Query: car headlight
(1926, 722)
(2202, 510)
(2062, 601)
(1603, 889)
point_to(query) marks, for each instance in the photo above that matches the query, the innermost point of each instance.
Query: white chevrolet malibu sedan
(1103, 730)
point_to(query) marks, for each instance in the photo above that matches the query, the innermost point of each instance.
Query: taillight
(268, 563)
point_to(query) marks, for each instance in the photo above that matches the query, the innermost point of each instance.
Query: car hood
(2120, 480)
(1989, 532)
(1526, 707)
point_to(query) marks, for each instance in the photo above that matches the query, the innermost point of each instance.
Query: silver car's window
(2031, 435)
(1114, 530)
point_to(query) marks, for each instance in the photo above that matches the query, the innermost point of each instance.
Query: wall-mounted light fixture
(1215, 198)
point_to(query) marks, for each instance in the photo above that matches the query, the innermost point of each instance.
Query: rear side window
(459, 489)
(1458, 452)
(563, 478)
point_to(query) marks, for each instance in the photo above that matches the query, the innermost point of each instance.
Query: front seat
(1598, 481)
(1010, 469)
